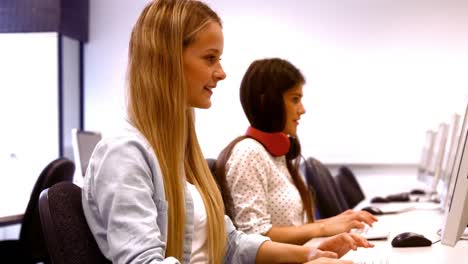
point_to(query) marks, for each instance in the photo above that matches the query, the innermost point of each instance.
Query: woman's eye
(211, 59)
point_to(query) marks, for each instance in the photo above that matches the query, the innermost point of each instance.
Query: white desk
(14, 195)
(16, 183)
(425, 222)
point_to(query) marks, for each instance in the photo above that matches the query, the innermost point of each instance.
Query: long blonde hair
(157, 108)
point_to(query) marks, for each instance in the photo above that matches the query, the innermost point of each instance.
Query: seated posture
(148, 195)
(261, 168)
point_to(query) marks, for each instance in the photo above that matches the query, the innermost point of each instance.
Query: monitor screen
(83, 143)
(456, 159)
(427, 153)
(436, 166)
(449, 159)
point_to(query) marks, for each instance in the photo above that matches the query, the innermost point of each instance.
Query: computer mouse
(373, 210)
(417, 192)
(379, 199)
(410, 239)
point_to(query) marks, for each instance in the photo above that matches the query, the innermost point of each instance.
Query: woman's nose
(219, 73)
(302, 110)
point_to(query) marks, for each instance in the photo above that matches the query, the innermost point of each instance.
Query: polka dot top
(262, 189)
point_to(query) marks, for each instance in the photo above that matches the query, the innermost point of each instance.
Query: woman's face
(292, 99)
(202, 65)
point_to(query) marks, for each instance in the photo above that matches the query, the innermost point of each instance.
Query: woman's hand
(344, 242)
(361, 215)
(316, 253)
(346, 221)
(324, 260)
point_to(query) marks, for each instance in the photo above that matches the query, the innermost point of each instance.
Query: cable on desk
(437, 241)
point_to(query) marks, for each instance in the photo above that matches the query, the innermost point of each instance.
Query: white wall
(28, 114)
(379, 73)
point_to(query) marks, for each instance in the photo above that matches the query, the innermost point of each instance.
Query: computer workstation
(439, 182)
(427, 159)
(406, 201)
(442, 165)
(429, 236)
(436, 163)
(456, 219)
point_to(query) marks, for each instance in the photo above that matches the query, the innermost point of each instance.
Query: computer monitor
(435, 167)
(456, 219)
(449, 159)
(427, 154)
(447, 196)
(436, 145)
(83, 143)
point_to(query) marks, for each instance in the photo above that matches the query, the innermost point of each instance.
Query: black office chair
(212, 165)
(329, 199)
(223, 187)
(30, 247)
(349, 186)
(67, 235)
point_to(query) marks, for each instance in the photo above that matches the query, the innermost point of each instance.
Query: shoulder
(248, 154)
(249, 147)
(126, 157)
(129, 141)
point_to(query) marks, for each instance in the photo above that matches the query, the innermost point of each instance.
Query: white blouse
(200, 228)
(262, 189)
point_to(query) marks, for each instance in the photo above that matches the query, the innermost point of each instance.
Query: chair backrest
(67, 234)
(212, 165)
(329, 199)
(31, 237)
(223, 187)
(349, 186)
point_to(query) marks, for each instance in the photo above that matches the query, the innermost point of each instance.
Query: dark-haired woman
(259, 171)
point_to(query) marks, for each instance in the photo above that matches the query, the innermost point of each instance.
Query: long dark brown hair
(261, 95)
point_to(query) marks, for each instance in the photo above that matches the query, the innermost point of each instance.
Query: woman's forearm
(297, 235)
(273, 252)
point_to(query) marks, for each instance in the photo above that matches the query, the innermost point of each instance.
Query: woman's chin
(202, 105)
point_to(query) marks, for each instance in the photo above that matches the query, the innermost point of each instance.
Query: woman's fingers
(366, 217)
(361, 241)
(355, 224)
(361, 216)
(340, 244)
(329, 261)
(349, 241)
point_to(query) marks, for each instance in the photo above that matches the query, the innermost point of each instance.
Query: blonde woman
(148, 195)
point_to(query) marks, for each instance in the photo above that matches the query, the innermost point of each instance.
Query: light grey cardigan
(126, 210)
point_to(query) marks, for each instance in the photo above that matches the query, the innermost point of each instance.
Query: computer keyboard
(399, 197)
(375, 232)
(396, 208)
(373, 261)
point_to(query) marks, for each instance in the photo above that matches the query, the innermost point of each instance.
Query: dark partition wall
(67, 17)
